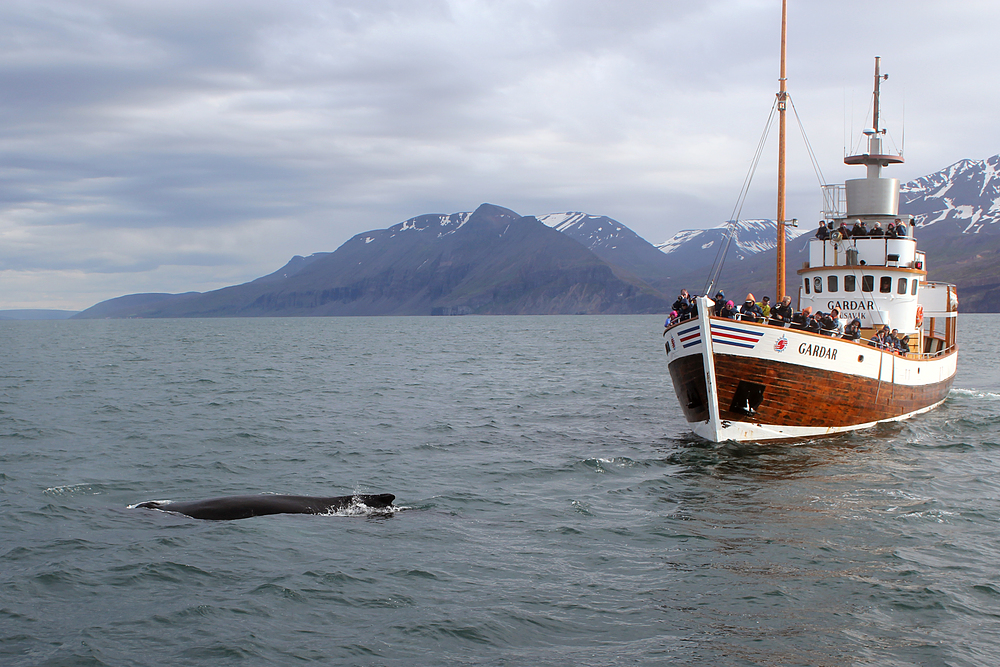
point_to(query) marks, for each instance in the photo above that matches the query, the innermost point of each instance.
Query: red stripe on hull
(749, 339)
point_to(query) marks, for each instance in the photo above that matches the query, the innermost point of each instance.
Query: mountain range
(491, 261)
(495, 261)
(957, 213)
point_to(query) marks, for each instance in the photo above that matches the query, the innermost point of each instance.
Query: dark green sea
(556, 510)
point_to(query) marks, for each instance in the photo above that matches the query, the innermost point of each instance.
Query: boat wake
(976, 393)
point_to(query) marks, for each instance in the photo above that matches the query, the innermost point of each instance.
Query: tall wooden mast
(782, 101)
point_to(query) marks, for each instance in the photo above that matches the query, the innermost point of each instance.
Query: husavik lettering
(820, 351)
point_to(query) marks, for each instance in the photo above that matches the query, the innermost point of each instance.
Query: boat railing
(858, 252)
(834, 201)
(908, 355)
(829, 333)
(931, 355)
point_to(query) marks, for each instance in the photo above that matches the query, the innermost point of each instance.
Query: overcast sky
(152, 146)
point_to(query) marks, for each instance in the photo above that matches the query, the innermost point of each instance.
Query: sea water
(554, 507)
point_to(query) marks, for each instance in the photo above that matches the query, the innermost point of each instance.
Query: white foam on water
(976, 393)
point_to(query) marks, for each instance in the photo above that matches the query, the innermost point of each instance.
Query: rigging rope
(732, 229)
(809, 148)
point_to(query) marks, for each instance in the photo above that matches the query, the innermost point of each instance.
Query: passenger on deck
(844, 231)
(830, 324)
(822, 233)
(876, 230)
(835, 314)
(904, 345)
(765, 307)
(813, 323)
(729, 311)
(901, 229)
(782, 313)
(890, 231)
(853, 330)
(683, 303)
(750, 311)
(859, 229)
(801, 319)
(720, 302)
(827, 325)
(882, 340)
(896, 343)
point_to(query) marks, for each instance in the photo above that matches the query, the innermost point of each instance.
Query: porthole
(861, 358)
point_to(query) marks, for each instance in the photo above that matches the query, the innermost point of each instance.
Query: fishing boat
(747, 380)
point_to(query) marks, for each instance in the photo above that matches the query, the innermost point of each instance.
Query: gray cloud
(190, 145)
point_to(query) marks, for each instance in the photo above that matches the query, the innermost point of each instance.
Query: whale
(228, 508)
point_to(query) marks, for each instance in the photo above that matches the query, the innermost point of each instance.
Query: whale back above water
(228, 508)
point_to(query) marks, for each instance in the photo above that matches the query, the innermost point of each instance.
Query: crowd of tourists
(783, 314)
(890, 340)
(893, 230)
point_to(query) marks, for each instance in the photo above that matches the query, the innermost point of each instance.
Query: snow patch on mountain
(966, 193)
(678, 239)
(591, 230)
(752, 236)
(450, 223)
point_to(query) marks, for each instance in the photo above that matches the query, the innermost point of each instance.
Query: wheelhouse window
(807, 285)
(867, 283)
(913, 287)
(901, 286)
(850, 283)
(885, 284)
(818, 285)
(831, 283)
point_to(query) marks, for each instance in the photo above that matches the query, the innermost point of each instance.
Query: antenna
(902, 132)
(844, 127)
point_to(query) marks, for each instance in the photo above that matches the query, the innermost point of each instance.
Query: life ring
(920, 316)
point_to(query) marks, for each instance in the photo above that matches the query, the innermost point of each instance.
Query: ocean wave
(976, 393)
(74, 489)
(587, 527)
(602, 465)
